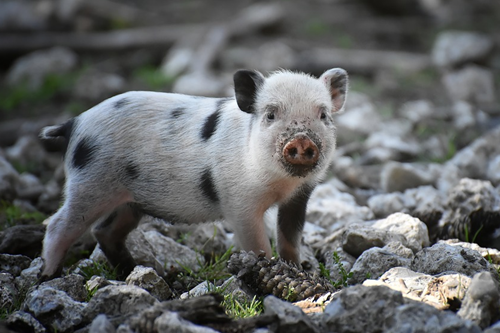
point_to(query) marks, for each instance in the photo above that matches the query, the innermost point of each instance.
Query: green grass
(316, 27)
(237, 307)
(345, 276)
(154, 78)
(13, 215)
(213, 270)
(99, 269)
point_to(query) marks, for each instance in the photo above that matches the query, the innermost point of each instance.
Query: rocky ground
(403, 237)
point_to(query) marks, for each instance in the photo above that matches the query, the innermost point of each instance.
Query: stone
(22, 16)
(172, 322)
(30, 276)
(454, 48)
(141, 250)
(118, 302)
(417, 111)
(34, 68)
(400, 145)
(27, 151)
(464, 115)
(172, 254)
(328, 205)
(481, 303)
(22, 239)
(384, 204)
(399, 249)
(359, 238)
(8, 180)
(423, 318)
(414, 230)
(361, 309)
(203, 288)
(492, 255)
(290, 317)
(49, 200)
(441, 258)
(29, 187)
(397, 176)
(148, 279)
(493, 170)
(207, 238)
(101, 324)
(8, 291)
(72, 284)
(345, 259)
(54, 308)
(22, 321)
(436, 291)
(13, 264)
(374, 262)
(94, 85)
(199, 84)
(473, 84)
(493, 329)
(359, 120)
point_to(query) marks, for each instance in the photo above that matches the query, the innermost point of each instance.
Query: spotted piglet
(195, 159)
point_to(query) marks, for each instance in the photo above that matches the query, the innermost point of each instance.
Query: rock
(18, 15)
(148, 279)
(399, 249)
(381, 309)
(21, 321)
(361, 309)
(171, 322)
(472, 84)
(328, 205)
(141, 250)
(360, 120)
(290, 318)
(473, 212)
(384, 204)
(8, 180)
(397, 176)
(97, 86)
(209, 238)
(199, 84)
(493, 329)
(118, 303)
(49, 200)
(27, 152)
(8, 291)
(454, 48)
(29, 276)
(414, 230)
(374, 262)
(73, 285)
(418, 111)
(425, 200)
(201, 289)
(442, 258)
(439, 292)
(172, 254)
(464, 115)
(481, 303)
(28, 187)
(492, 255)
(22, 239)
(397, 144)
(54, 308)
(359, 238)
(34, 68)
(423, 318)
(13, 264)
(101, 324)
(493, 170)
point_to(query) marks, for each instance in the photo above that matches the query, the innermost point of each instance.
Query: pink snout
(301, 151)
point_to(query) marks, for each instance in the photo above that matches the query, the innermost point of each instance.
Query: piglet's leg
(291, 219)
(112, 233)
(251, 234)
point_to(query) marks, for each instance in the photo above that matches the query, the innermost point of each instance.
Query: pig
(189, 159)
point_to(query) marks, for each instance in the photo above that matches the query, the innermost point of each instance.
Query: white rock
(363, 119)
(417, 111)
(456, 47)
(96, 86)
(493, 170)
(35, 67)
(414, 230)
(397, 176)
(473, 84)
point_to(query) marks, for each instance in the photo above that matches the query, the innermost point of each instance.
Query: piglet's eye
(323, 115)
(270, 115)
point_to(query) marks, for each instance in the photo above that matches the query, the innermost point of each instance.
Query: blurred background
(424, 74)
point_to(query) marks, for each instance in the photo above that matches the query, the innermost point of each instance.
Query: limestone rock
(291, 318)
(454, 48)
(148, 279)
(414, 230)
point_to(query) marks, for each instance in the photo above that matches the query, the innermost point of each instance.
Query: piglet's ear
(336, 80)
(246, 85)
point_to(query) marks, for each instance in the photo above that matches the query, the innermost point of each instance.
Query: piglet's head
(293, 115)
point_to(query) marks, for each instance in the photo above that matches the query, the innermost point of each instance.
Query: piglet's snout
(301, 151)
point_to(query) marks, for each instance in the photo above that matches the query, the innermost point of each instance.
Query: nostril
(310, 153)
(292, 152)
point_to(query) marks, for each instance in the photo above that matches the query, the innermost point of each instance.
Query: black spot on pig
(84, 153)
(121, 102)
(132, 171)
(210, 125)
(207, 186)
(177, 112)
